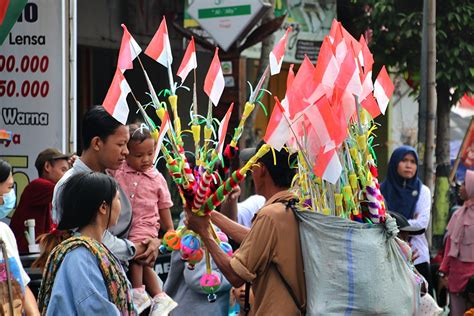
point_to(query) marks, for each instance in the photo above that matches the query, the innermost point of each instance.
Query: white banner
(33, 86)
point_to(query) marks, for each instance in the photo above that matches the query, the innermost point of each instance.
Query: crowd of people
(99, 216)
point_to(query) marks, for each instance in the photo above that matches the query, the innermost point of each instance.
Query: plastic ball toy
(210, 283)
(189, 245)
(171, 240)
(195, 258)
(222, 236)
(227, 248)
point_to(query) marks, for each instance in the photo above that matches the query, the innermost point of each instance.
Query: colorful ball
(172, 240)
(210, 282)
(222, 236)
(227, 248)
(189, 245)
(195, 258)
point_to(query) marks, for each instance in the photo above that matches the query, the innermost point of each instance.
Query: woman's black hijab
(401, 194)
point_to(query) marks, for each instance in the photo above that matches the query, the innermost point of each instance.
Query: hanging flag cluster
(326, 118)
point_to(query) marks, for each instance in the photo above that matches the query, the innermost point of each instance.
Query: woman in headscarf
(458, 261)
(406, 194)
(82, 276)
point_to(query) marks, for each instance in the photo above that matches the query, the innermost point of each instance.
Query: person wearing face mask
(406, 194)
(82, 276)
(7, 203)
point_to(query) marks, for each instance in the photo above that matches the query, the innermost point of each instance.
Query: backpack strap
(7, 268)
(247, 299)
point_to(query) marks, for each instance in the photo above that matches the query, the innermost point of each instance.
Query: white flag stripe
(121, 108)
(333, 169)
(382, 99)
(275, 66)
(217, 88)
(189, 66)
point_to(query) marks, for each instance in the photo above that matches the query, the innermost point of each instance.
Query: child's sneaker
(141, 299)
(162, 304)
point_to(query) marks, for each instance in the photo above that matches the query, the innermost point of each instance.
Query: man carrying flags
(269, 256)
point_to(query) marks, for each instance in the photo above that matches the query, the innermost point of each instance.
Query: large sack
(355, 269)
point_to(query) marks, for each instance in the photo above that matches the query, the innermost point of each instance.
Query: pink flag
(189, 61)
(328, 166)
(223, 129)
(277, 54)
(165, 126)
(348, 78)
(383, 89)
(159, 48)
(214, 82)
(115, 101)
(278, 130)
(129, 50)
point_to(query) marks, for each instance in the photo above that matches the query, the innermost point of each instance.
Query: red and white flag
(129, 50)
(115, 101)
(223, 129)
(383, 89)
(278, 130)
(371, 106)
(325, 73)
(278, 52)
(165, 126)
(159, 48)
(214, 83)
(328, 166)
(189, 61)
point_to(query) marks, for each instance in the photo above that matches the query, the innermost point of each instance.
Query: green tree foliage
(395, 30)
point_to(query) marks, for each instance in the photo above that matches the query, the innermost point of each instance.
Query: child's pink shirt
(148, 192)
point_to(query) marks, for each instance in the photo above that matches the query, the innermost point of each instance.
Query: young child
(151, 201)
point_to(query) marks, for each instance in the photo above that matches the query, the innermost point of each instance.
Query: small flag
(327, 165)
(291, 77)
(159, 48)
(383, 89)
(277, 54)
(371, 106)
(223, 129)
(129, 50)
(165, 126)
(189, 61)
(278, 130)
(115, 102)
(214, 82)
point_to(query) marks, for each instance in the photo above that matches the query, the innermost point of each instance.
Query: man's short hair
(280, 165)
(48, 155)
(97, 122)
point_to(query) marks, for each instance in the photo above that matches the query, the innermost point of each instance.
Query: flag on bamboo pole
(278, 130)
(115, 102)
(189, 61)
(129, 50)
(383, 89)
(214, 82)
(278, 52)
(223, 129)
(302, 87)
(159, 49)
(165, 126)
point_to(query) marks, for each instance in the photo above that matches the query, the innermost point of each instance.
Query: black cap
(404, 225)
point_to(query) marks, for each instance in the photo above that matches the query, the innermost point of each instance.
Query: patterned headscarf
(114, 277)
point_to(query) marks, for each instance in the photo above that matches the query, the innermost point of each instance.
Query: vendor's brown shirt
(272, 251)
